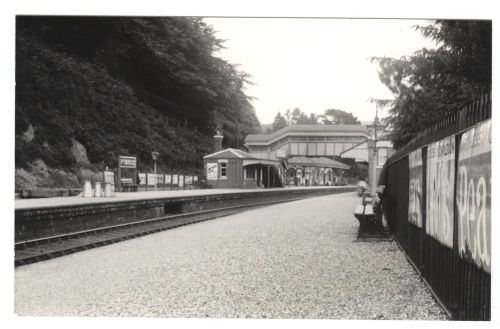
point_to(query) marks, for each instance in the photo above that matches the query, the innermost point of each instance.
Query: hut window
(223, 170)
(249, 173)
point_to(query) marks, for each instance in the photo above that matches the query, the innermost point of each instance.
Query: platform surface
(145, 195)
(290, 261)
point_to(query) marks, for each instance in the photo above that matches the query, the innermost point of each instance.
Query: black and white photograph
(249, 166)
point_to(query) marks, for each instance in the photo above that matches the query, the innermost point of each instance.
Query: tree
(279, 122)
(433, 83)
(338, 117)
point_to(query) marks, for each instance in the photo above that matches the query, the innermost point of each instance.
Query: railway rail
(36, 250)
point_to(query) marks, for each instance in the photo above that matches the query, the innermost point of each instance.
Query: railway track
(32, 251)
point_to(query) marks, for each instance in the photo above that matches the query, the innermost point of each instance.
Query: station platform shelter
(234, 168)
(313, 171)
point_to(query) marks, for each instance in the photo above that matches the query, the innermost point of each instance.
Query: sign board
(188, 180)
(127, 180)
(280, 153)
(440, 187)
(175, 179)
(474, 195)
(212, 170)
(160, 179)
(142, 179)
(195, 178)
(168, 179)
(127, 161)
(181, 181)
(415, 204)
(151, 179)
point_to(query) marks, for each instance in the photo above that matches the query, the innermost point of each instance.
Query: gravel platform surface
(291, 260)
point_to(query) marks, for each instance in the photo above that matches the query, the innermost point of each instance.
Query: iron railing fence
(461, 286)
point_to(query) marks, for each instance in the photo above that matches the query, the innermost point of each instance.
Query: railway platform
(293, 260)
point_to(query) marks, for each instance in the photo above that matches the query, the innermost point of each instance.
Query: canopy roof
(316, 162)
(230, 153)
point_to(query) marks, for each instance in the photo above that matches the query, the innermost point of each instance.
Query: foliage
(433, 83)
(339, 117)
(297, 117)
(125, 86)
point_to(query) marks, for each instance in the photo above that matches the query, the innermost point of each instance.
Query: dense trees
(432, 83)
(124, 85)
(297, 117)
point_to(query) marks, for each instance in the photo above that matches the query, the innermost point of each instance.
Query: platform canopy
(323, 162)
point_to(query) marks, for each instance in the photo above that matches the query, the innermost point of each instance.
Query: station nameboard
(127, 162)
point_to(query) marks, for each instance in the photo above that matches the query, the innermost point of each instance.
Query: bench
(130, 187)
(370, 225)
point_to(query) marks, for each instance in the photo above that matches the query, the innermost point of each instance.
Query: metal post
(375, 159)
(155, 156)
(155, 176)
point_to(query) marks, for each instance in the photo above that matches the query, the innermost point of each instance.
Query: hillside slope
(90, 88)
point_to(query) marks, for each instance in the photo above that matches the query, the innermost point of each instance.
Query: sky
(315, 64)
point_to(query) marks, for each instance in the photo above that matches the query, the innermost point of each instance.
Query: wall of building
(234, 173)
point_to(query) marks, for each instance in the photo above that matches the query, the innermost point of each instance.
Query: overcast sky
(315, 64)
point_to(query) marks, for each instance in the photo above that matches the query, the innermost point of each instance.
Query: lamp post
(375, 159)
(155, 156)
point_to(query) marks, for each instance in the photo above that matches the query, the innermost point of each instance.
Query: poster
(175, 179)
(181, 181)
(195, 178)
(151, 179)
(212, 171)
(189, 180)
(440, 188)
(474, 195)
(415, 191)
(160, 179)
(168, 179)
(142, 179)
(109, 177)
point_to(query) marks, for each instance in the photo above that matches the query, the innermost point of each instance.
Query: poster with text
(189, 180)
(151, 179)
(440, 187)
(212, 171)
(142, 179)
(474, 195)
(181, 180)
(160, 179)
(175, 179)
(168, 179)
(415, 203)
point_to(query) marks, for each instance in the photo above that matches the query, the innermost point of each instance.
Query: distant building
(313, 154)
(306, 140)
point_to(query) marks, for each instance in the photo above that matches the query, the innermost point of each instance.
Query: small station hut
(233, 168)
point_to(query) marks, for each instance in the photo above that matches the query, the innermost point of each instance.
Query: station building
(309, 153)
(297, 155)
(234, 168)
